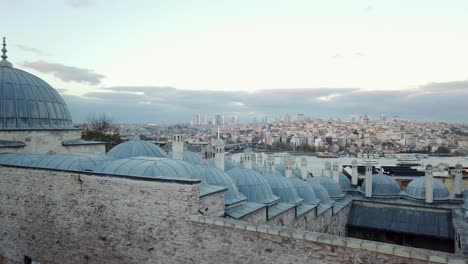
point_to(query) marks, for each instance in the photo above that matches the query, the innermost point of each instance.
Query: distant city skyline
(246, 58)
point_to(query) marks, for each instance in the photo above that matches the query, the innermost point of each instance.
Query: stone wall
(212, 205)
(257, 216)
(48, 141)
(287, 218)
(61, 217)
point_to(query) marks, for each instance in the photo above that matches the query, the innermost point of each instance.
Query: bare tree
(101, 128)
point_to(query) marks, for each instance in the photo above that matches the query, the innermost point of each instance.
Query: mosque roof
(136, 148)
(304, 190)
(253, 185)
(345, 183)
(331, 186)
(29, 103)
(382, 185)
(228, 165)
(283, 188)
(417, 189)
(191, 157)
(214, 176)
(320, 193)
(74, 162)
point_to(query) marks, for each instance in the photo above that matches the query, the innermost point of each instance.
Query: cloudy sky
(154, 60)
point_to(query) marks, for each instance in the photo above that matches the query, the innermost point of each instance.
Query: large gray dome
(27, 102)
(330, 185)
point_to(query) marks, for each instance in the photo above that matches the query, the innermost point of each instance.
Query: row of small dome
(382, 185)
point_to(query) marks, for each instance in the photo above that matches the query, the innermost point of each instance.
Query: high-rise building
(235, 120)
(218, 120)
(300, 118)
(365, 120)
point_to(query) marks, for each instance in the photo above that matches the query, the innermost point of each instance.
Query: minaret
(248, 158)
(458, 180)
(328, 171)
(178, 144)
(354, 173)
(429, 184)
(4, 62)
(304, 168)
(336, 172)
(288, 167)
(219, 152)
(368, 179)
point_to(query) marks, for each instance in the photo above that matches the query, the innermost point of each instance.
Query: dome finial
(4, 61)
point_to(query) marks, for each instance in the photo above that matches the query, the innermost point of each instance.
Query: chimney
(271, 163)
(288, 163)
(328, 169)
(304, 168)
(354, 173)
(336, 172)
(248, 158)
(368, 179)
(429, 184)
(241, 162)
(458, 180)
(178, 144)
(260, 159)
(254, 158)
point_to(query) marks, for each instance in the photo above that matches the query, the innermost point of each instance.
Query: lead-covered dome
(382, 185)
(253, 185)
(282, 188)
(217, 177)
(136, 148)
(417, 189)
(331, 186)
(304, 190)
(228, 165)
(27, 102)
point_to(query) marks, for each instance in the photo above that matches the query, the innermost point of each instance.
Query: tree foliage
(101, 128)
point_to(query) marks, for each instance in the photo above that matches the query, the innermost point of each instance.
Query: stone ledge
(389, 249)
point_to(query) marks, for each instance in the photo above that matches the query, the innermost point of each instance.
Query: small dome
(214, 176)
(297, 172)
(281, 168)
(150, 167)
(19, 159)
(282, 188)
(136, 148)
(258, 169)
(253, 185)
(382, 185)
(345, 183)
(304, 190)
(417, 189)
(330, 185)
(320, 193)
(74, 162)
(228, 165)
(27, 102)
(190, 157)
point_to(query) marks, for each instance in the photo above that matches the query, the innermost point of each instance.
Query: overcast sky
(147, 61)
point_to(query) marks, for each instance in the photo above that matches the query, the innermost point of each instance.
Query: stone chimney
(458, 180)
(429, 184)
(178, 144)
(260, 159)
(288, 165)
(254, 158)
(368, 179)
(304, 168)
(354, 173)
(336, 172)
(248, 158)
(328, 169)
(271, 163)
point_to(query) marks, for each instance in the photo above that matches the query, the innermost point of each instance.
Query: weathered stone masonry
(61, 217)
